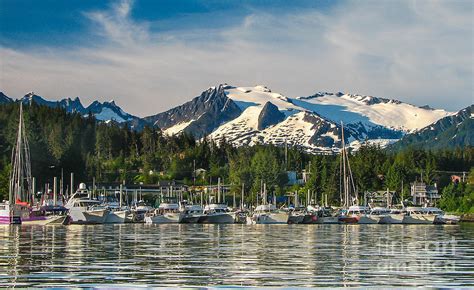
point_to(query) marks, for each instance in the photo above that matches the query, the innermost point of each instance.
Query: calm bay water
(240, 255)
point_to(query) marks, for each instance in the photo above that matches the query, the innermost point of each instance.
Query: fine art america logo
(417, 256)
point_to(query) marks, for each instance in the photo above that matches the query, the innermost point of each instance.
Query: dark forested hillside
(449, 132)
(113, 152)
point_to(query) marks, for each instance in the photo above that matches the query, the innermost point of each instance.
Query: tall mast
(242, 198)
(344, 166)
(20, 178)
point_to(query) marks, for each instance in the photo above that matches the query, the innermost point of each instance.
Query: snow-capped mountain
(106, 111)
(449, 132)
(71, 106)
(4, 99)
(255, 115)
(251, 115)
(371, 112)
(200, 116)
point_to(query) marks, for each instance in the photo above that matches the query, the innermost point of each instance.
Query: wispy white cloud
(416, 51)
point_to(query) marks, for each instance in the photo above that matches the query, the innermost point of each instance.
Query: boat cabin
(358, 210)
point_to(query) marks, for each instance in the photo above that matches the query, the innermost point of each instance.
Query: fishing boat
(448, 219)
(190, 213)
(47, 215)
(240, 215)
(422, 215)
(215, 213)
(166, 213)
(387, 215)
(83, 209)
(296, 215)
(320, 215)
(358, 214)
(310, 217)
(268, 214)
(118, 213)
(50, 211)
(139, 209)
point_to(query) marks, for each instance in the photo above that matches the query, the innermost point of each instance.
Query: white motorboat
(320, 215)
(296, 215)
(139, 209)
(357, 214)
(166, 213)
(449, 219)
(10, 213)
(422, 215)
(190, 213)
(85, 210)
(268, 214)
(386, 215)
(216, 214)
(119, 216)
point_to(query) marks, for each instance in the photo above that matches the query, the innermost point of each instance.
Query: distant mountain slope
(448, 132)
(371, 112)
(4, 99)
(106, 111)
(200, 116)
(258, 115)
(254, 115)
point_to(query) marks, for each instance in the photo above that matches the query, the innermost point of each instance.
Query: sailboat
(19, 208)
(352, 212)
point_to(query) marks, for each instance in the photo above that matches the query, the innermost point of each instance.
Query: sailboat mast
(344, 166)
(242, 198)
(21, 171)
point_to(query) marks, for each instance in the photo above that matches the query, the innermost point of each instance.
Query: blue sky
(152, 55)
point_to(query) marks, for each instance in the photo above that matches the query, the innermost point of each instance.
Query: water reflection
(241, 255)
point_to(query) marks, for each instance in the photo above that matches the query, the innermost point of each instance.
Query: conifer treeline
(114, 153)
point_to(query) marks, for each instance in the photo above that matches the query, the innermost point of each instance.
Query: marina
(86, 206)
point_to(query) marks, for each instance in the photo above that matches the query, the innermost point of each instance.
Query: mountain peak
(269, 115)
(4, 98)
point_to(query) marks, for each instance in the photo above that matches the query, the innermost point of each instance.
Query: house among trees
(384, 198)
(456, 179)
(424, 194)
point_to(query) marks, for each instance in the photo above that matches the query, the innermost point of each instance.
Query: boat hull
(367, 220)
(348, 219)
(190, 219)
(447, 219)
(419, 219)
(216, 219)
(392, 219)
(362, 219)
(328, 220)
(295, 219)
(269, 218)
(46, 220)
(9, 216)
(117, 217)
(169, 218)
(10, 220)
(81, 216)
(310, 219)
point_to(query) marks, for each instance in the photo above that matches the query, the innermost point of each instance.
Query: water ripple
(237, 255)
